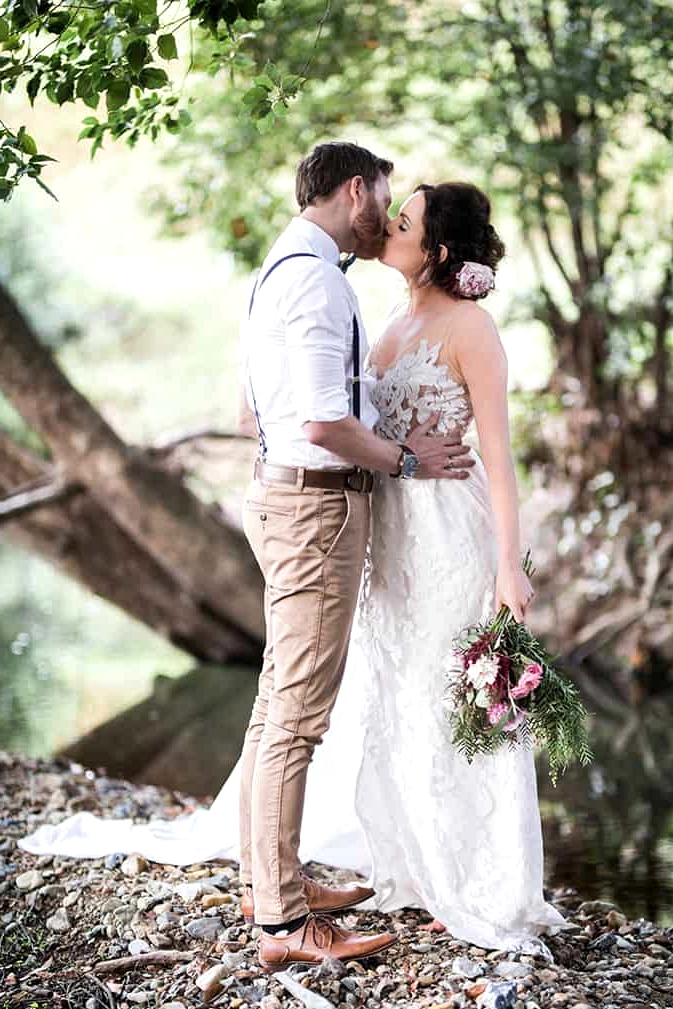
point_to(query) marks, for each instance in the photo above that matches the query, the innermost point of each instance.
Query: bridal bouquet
(503, 689)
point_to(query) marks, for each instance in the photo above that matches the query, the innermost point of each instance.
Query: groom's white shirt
(298, 347)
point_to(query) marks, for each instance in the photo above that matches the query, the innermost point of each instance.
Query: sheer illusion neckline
(425, 353)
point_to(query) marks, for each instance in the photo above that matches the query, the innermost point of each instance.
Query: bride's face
(404, 246)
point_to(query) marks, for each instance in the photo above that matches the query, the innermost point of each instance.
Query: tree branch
(157, 957)
(663, 318)
(29, 500)
(167, 443)
(551, 246)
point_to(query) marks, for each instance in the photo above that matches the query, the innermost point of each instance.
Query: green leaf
(84, 85)
(46, 188)
(153, 77)
(137, 54)
(168, 50)
(27, 144)
(117, 95)
(255, 95)
(58, 23)
(248, 9)
(32, 87)
(4, 29)
(64, 92)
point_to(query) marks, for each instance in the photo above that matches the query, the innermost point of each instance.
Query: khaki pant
(310, 545)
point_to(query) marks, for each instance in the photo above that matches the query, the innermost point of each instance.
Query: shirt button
(263, 517)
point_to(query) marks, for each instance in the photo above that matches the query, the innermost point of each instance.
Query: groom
(307, 519)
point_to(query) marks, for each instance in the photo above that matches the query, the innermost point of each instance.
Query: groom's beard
(369, 228)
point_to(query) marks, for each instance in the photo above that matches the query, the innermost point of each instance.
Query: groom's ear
(355, 188)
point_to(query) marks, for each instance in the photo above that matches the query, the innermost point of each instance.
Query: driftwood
(156, 958)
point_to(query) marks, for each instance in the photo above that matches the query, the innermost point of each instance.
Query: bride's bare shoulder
(472, 325)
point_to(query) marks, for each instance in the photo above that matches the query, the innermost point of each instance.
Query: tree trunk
(186, 735)
(150, 521)
(84, 542)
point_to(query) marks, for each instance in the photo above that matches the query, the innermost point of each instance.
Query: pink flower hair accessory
(474, 280)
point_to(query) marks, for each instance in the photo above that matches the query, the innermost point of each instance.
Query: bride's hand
(513, 589)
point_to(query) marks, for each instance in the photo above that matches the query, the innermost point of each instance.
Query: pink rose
(529, 680)
(474, 280)
(515, 722)
(496, 712)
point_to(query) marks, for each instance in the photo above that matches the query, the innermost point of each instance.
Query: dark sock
(288, 926)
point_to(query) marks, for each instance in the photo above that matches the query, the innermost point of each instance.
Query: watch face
(410, 465)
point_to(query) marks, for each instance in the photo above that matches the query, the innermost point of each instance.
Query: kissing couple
(372, 524)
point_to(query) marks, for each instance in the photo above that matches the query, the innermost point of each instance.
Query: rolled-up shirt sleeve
(318, 322)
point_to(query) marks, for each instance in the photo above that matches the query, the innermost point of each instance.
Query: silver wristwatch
(409, 464)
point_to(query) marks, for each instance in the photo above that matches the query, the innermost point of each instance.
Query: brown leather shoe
(316, 939)
(321, 899)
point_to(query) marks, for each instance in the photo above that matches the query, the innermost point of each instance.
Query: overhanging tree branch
(29, 500)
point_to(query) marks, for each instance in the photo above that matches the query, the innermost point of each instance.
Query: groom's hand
(441, 456)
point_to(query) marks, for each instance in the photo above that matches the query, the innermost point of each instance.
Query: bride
(390, 797)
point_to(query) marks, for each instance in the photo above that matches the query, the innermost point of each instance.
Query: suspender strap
(256, 288)
(259, 283)
(356, 350)
(356, 368)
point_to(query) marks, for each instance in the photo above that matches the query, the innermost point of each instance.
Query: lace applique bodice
(414, 388)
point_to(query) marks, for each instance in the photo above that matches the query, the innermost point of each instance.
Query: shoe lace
(323, 930)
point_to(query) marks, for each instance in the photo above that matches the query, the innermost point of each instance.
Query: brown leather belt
(359, 480)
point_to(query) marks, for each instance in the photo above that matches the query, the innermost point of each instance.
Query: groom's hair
(329, 165)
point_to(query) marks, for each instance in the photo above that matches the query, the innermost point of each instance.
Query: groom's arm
(440, 456)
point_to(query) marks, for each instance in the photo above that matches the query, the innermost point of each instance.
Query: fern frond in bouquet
(503, 689)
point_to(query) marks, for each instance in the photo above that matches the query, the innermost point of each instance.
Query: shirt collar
(319, 241)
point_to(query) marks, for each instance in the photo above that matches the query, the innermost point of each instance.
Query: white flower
(483, 672)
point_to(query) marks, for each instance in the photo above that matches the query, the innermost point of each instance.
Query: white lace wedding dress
(387, 793)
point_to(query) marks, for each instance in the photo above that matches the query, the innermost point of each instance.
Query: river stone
(465, 967)
(29, 880)
(231, 961)
(498, 995)
(590, 907)
(215, 900)
(205, 928)
(138, 946)
(209, 981)
(511, 969)
(134, 864)
(192, 891)
(115, 860)
(58, 921)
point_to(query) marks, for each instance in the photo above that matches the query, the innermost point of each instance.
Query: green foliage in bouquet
(552, 715)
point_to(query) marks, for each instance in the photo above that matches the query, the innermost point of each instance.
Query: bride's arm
(482, 362)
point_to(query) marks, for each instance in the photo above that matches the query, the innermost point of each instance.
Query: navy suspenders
(356, 351)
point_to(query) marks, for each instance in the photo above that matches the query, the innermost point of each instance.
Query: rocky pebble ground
(118, 932)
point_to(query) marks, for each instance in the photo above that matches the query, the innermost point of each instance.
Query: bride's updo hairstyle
(457, 215)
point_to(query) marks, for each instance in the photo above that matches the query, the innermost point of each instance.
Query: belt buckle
(360, 480)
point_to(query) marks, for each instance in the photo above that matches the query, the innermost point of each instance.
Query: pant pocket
(335, 514)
